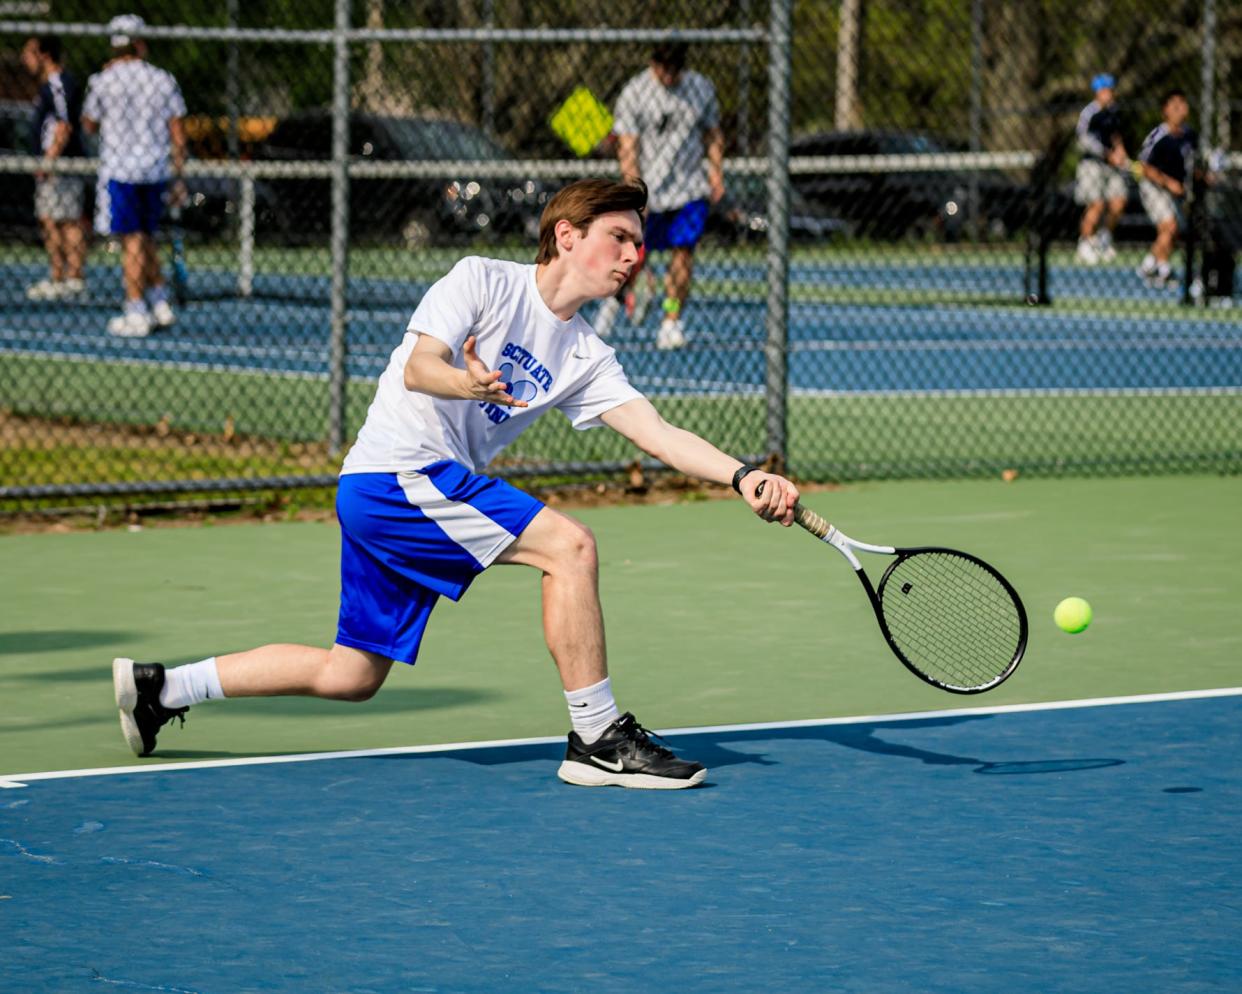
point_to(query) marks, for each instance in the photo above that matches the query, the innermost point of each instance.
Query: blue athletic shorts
(407, 538)
(136, 207)
(681, 228)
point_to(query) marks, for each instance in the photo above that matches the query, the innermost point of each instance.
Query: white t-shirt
(548, 362)
(670, 123)
(133, 101)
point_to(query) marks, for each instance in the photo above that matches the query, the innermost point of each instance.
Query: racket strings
(952, 618)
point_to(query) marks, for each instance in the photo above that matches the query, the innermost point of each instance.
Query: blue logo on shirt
(519, 389)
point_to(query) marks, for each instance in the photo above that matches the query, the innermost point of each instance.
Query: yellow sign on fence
(582, 121)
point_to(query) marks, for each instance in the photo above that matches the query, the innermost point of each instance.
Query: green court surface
(713, 618)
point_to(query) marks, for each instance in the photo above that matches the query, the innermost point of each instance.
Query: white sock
(155, 294)
(1149, 263)
(592, 709)
(185, 686)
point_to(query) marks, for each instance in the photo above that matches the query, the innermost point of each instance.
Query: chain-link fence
(906, 271)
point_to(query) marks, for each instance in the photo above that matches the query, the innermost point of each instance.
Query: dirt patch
(18, 431)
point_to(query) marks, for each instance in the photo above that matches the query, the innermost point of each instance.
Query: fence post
(776, 382)
(1207, 111)
(245, 259)
(976, 108)
(340, 228)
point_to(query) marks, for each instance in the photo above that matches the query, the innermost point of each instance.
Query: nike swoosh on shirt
(615, 767)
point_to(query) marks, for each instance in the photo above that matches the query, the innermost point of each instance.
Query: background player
(1101, 179)
(665, 117)
(59, 198)
(1167, 162)
(137, 110)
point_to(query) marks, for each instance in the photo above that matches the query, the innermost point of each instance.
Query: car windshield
(910, 144)
(422, 139)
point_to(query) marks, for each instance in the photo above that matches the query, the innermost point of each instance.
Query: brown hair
(581, 203)
(670, 55)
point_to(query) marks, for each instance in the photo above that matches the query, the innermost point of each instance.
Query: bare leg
(1091, 219)
(133, 264)
(1115, 207)
(573, 622)
(151, 273)
(73, 238)
(55, 249)
(341, 673)
(680, 271)
(1166, 232)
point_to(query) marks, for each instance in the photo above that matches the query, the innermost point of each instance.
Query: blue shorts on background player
(136, 208)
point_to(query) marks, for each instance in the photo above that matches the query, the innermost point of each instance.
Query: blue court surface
(1089, 847)
(883, 346)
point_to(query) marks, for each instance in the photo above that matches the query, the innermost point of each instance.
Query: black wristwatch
(740, 474)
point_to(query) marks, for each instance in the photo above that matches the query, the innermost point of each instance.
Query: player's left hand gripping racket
(951, 618)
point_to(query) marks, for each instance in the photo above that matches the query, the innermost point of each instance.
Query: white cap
(125, 28)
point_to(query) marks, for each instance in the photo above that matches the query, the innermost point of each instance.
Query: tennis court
(1072, 850)
(867, 312)
(859, 830)
(889, 374)
(906, 297)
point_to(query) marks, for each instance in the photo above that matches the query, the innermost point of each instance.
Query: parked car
(741, 216)
(17, 200)
(908, 203)
(415, 211)
(211, 202)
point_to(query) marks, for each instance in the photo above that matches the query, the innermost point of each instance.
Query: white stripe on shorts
(469, 527)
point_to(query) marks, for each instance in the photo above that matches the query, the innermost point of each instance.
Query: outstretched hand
(770, 496)
(484, 384)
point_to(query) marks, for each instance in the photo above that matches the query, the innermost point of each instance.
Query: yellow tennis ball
(1072, 615)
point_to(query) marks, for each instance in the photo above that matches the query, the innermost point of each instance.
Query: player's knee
(359, 692)
(349, 675)
(348, 687)
(576, 546)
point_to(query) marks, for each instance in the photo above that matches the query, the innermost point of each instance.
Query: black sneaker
(626, 757)
(138, 687)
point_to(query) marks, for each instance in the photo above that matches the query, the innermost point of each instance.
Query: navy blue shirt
(1172, 154)
(1098, 127)
(59, 99)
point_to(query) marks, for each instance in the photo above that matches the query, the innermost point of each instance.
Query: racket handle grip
(812, 522)
(804, 516)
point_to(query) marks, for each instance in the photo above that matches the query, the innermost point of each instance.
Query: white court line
(14, 780)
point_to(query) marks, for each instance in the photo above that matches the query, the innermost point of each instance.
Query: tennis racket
(176, 239)
(951, 618)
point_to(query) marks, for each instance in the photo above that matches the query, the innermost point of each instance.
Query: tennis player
(1167, 160)
(491, 347)
(1100, 181)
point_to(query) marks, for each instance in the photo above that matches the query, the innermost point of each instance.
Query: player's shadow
(390, 700)
(712, 751)
(30, 643)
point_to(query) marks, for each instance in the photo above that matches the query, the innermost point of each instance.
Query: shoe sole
(582, 775)
(126, 700)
